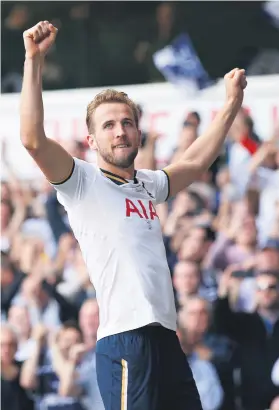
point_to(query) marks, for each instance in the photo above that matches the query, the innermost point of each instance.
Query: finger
(40, 34)
(45, 28)
(37, 35)
(53, 31)
(239, 77)
(231, 73)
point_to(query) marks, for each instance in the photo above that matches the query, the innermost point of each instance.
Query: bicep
(182, 174)
(53, 160)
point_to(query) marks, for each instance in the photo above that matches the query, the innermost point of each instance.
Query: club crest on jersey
(138, 208)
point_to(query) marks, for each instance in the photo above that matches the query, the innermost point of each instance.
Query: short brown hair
(110, 96)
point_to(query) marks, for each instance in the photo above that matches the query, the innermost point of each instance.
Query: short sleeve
(74, 188)
(156, 183)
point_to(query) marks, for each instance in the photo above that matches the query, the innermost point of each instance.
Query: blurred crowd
(222, 244)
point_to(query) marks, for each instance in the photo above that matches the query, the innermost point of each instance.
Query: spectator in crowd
(186, 280)
(218, 350)
(89, 322)
(13, 396)
(192, 331)
(50, 372)
(19, 320)
(257, 334)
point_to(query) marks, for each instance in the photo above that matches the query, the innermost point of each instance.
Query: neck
(270, 314)
(126, 173)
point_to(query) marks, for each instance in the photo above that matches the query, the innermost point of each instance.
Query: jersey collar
(118, 180)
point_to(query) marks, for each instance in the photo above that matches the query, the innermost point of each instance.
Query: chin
(126, 161)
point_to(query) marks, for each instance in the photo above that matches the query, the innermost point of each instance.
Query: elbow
(32, 139)
(28, 383)
(29, 143)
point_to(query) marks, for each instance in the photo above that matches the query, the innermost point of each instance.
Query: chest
(120, 210)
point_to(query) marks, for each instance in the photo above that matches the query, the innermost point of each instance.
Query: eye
(108, 125)
(127, 122)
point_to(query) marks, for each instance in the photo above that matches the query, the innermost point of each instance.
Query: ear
(140, 135)
(92, 142)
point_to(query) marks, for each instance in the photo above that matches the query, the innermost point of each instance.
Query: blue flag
(179, 63)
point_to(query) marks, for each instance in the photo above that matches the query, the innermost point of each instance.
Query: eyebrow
(124, 119)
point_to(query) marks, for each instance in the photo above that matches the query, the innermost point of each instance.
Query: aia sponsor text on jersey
(138, 208)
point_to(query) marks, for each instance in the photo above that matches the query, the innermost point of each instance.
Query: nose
(119, 130)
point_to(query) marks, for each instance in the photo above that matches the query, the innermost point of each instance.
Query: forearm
(67, 385)
(65, 370)
(67, 310)
(258, 159)
(207, 147)
(31, 104)
(7, 297)
(28, 378)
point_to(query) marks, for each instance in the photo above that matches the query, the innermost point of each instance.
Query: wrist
(72, 363)
(222, 293)
(35, 60)
(233, 103)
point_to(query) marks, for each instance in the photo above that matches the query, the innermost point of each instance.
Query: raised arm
(53, 160)
(205, 149)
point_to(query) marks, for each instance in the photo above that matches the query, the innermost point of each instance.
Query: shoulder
(150, 176)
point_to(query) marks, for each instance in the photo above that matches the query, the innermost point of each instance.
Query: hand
(39, 333)
(153, 136)
(76, 352)
(39, 38)
(226, 280)
(235, 82)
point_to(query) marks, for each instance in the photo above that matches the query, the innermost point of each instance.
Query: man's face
(248, 233)
(89, 318)
(18, 317)
(195, 317)
(186, 278)
(8, 346)
(267, 291)
(116, 136)
(68, 338)
(268, 260)
(192, 248)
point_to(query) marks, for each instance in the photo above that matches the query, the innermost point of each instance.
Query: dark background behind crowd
(96, 36)
(221, 234)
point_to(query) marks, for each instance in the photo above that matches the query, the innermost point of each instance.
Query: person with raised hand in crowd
(50, 373)
(257, 334)
(13, 396)
(19, 320)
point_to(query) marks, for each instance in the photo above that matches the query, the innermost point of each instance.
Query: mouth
(121, 146)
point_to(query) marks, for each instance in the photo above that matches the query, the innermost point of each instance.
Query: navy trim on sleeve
(168, 184)
(65, 180)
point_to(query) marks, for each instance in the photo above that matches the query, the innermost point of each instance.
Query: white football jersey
(119, 232)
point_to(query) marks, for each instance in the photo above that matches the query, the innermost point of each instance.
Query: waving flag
(271, 8)
(180, 64)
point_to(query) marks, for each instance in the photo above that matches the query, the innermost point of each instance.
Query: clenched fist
(235, 82)
(39, 39)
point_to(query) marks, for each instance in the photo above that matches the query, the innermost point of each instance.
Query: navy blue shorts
(145, 369)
